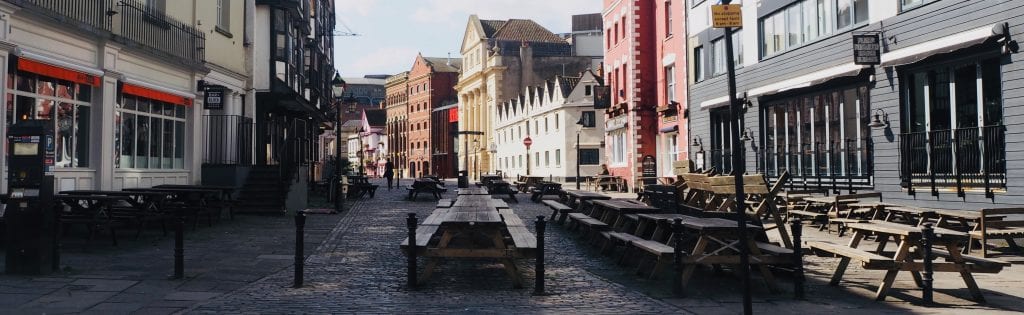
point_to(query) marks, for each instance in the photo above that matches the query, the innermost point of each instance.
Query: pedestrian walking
(389, 172)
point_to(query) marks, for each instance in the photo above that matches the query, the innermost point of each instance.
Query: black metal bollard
(538, 287)
(928, 233)
(410, 222)
(179, 243)
(300, 247)
(798, 256)
(677, 232)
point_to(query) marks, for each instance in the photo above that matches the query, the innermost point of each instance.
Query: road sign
(726, 15)
(527, 142)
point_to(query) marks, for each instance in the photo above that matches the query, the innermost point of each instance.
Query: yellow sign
(726, 15)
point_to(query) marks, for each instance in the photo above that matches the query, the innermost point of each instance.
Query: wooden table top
(891, 228)
(830, 200)
(582, 194)
(620, 205)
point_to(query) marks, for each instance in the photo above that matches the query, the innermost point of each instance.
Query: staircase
(262, 192)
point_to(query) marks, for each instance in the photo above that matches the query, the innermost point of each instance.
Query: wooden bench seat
(444, 203)
(810, 214)
(868, 259)
(423, 235)
(981, 265)
(524, 241)
(772, 249)
(556, 208)
(511, 219)
(993, 223)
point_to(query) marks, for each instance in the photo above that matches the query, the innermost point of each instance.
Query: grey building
(932, 123)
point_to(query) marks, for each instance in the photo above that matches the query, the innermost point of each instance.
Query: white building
(548, 115)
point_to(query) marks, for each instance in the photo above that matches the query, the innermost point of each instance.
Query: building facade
(500, 59)
(121, 102)
(551, 114)
(396, 104)
(632, 71)
(444, 125)
(670, 66)
(927, 124)
(431, 82)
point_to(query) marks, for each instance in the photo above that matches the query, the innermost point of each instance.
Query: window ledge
(222, 31)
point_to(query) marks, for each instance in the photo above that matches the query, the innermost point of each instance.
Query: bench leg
(890, 276)
(968, 277)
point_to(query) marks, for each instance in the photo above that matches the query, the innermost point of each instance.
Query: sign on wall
(213, 97)
(866, 49)
(602, 96)
(726, 15)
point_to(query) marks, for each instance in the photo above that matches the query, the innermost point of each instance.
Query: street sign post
(527, 142)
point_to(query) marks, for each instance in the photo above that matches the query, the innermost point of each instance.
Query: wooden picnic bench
(546, 188)
(95, 212)
(424, 186)
(498, 186)
(909, 239)
(991, 224)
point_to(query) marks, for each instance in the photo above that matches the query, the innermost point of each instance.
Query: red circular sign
(527, 141)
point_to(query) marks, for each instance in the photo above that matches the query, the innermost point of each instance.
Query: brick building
(395, 104)
(670, 64)
(430, 84)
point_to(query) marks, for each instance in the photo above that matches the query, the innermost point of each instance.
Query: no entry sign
(527, 142)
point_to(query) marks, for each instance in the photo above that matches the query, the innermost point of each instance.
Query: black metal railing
(228, 140)
(88, 13)
(961, 158)
(721, 159)
(833, 165)
(151, 29)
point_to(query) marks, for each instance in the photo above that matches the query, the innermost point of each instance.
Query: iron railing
(228, 140)
(832, 165)
(88, 13)
(151, 29)
(961, 158)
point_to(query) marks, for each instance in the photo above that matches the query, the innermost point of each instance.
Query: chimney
(449, 59)
(526, 62)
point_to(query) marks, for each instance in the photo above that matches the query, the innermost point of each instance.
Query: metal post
(928, 233)
(179, 243)
(798, 258)
(738, 167)
(677, 234)
(577, 160)
(338, 203)
(538, 287)
(410, 222)
(300, 247)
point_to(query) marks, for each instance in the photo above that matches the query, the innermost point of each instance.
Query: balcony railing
(153, 30)
(961, 158)
(834, 165)
(228, 140)
(87, 13)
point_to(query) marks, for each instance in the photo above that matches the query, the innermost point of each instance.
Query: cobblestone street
(355, 266)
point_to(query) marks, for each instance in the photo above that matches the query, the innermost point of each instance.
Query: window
(590, 157)
(824, 136)
(558, 157)
(155, 7)
(616, 27)
(32, 96)
(588, 90)
(669, 152)
(953, 121)
(520, 160)
(547, 158)
(556, 121)
(807, 20)
(545, 125)
(536, 158)
(721, 141)
(909, 4)
(737, 47)
(698, 65)
(618, 144)
(670, 83)
(589, 118)
(717, 57)
(668, 18)
(850, 12)
(149, 134)
(224, 15)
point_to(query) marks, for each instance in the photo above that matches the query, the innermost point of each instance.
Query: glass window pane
(143, 105)
(142, 142)
(82, 143)
(793, 20)
(65, 89)
(84, 93)
(155, 141)
(26, 82)
(966, 96)
(767, 37)
(65, 123)
(44, 109)
(860, 11)
(780, 32)
(169, 109)
(46, 86)
(127, 140)
(810, 21)
(168, 151)
(938, 87)
(129, 103)
(825, 13)
(991, 88)
(844, 14)
(179, 111)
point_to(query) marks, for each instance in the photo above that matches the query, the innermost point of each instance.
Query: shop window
(618, 146)
(149, 134)
(820, 139)
(952, 123)
(41, 97)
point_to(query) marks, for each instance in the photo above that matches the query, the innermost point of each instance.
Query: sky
(392, 32)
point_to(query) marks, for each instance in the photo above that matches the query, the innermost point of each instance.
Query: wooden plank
(849, 252)
(470, 253)
(511, 219)
(522, 238)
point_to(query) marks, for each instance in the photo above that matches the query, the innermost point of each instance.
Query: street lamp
(476, 161)
(581, 124)
(465, 134)
(337, 89)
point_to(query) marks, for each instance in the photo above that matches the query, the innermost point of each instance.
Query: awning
(40, 68)
(672, 128)
(946, 44)
(152, 94)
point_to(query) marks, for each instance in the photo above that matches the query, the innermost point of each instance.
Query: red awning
(57, 72)
(155, 95)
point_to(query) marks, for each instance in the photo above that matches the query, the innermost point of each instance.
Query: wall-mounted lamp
(747, 135)
(878, 123)
(697, 142)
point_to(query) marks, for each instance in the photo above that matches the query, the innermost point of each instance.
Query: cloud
(554, 15)
(385, 60)
(359, 7)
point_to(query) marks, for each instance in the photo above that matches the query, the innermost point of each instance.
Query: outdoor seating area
(359, 186)
(430, 186)
(498, 186)
(107, 211)
(473, 226)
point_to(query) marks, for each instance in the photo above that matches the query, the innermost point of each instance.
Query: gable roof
(522, 30)
(440, 64)
(567, 84)
(491, 26)
(376, 117)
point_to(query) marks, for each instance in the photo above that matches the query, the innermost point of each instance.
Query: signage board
(866, 49)
(453, 115)
(214, 98)
(602, 96)
(726, 15)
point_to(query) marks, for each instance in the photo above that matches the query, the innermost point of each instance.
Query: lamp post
(465, 163)
(579, 123)
(476, 161)
(338, 89)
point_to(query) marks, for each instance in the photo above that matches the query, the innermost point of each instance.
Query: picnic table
(905, 258)
(497, 186)
(425, 185)
(526, 182)
(599, 181)
(472, 191)
(139, 206)
(546, 188)
(614, 211)
(718, 242)
(475, 227)
(96, 212)
(193, 201)
(226, 199)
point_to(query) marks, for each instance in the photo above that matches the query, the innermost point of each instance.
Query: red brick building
(631, 69)
(671, 66)
(431, 82)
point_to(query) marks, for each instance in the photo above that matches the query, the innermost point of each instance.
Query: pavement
(354, 265)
